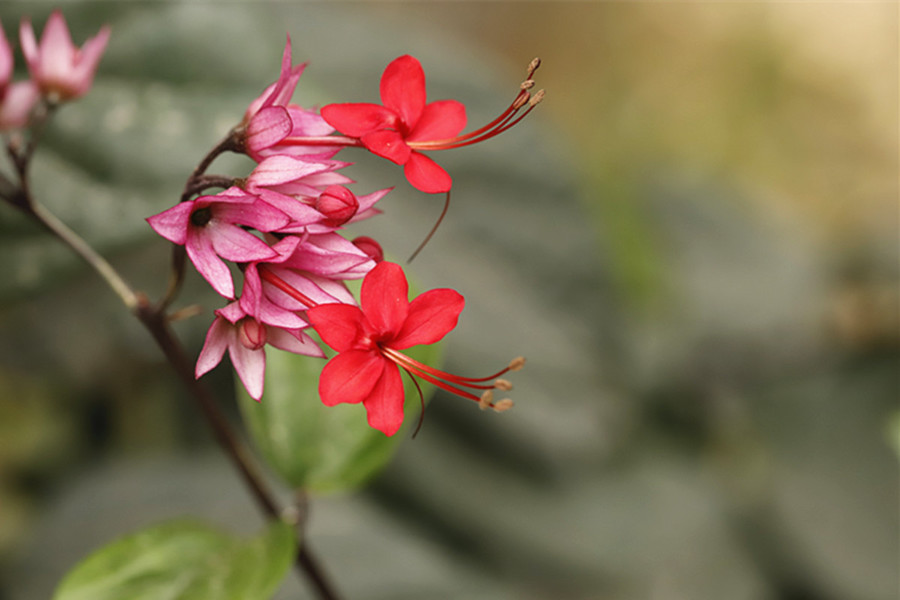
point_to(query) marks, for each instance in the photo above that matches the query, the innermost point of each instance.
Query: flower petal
(426, 175)
(440, 120)
(214, 347)
(384, 298)
(295, 341)
(387, 144)
(267, 127)
(250, 366)
(403, 89)
(350, 376)
(235, 244)
(173, 223)
(358, 118)
(339, 325)
(432, 315)
(208, 264)
(384, 404)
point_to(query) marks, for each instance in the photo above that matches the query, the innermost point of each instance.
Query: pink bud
(370, 247)
(252, 334)
(338, 204)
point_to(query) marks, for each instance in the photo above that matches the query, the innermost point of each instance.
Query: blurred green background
(693, 239)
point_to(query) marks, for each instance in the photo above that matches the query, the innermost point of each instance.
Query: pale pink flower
(6, 61)
(244, 337)
(16, 104)
(61, 70)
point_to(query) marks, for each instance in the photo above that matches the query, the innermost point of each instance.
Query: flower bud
(252, 334)
(338, 204)
(370, 247)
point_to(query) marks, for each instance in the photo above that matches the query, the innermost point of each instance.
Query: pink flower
(61, 71)
(391, 131)
(245, 338)
(212, 228)
(6, 61)
(271, 118)
(369, 340)
(17, 101)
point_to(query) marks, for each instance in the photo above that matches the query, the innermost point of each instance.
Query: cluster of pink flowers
(282, 226)
(59, 71)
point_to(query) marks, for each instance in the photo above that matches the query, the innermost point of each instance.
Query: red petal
(384, 405)
(431, 316)
(350, 376)
(426, 175)
(358, 118)
(384, 298)
(403, 89)
(339, 325)
(440, 120)
(387, 144)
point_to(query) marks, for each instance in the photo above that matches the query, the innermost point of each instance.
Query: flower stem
(86, 252)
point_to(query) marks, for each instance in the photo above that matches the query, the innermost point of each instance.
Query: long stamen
(504, 121)
(514, 365)
(454, 383)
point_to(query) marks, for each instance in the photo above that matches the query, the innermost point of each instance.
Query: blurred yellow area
(799, 99)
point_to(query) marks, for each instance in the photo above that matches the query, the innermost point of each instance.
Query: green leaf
(313, 446)
(183, 560)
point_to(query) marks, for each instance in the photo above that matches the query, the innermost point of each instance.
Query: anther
(517, 363)
(527, 84)
(521, 100)
(503, 405)
(486, 401)
(538, 96)
(503, 384)
(533, 66)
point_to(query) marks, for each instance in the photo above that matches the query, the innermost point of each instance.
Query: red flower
(369, 339)
(393, 130)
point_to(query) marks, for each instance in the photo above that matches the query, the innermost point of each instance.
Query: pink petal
(88, 58)
(432, 315)
(294, 341)
(250, 366)
(384, 297)
(358, 118)
(387, 144)
(440, 120)
(173, 223)
(426, 175)
(234, 244)
(15, 110)
(403, 89)
(279, 169)
(384, 404)
(318, 289)
(350, 376)
(57, 52)
(6, 61)
(208, 264)
(267, 127)
(258, 215)
(217, 339)
(339, 325)
(29, 46)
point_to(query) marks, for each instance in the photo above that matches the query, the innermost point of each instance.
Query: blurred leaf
(313, 446)
(183, 560)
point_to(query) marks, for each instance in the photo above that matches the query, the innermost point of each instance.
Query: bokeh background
(694, 239)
